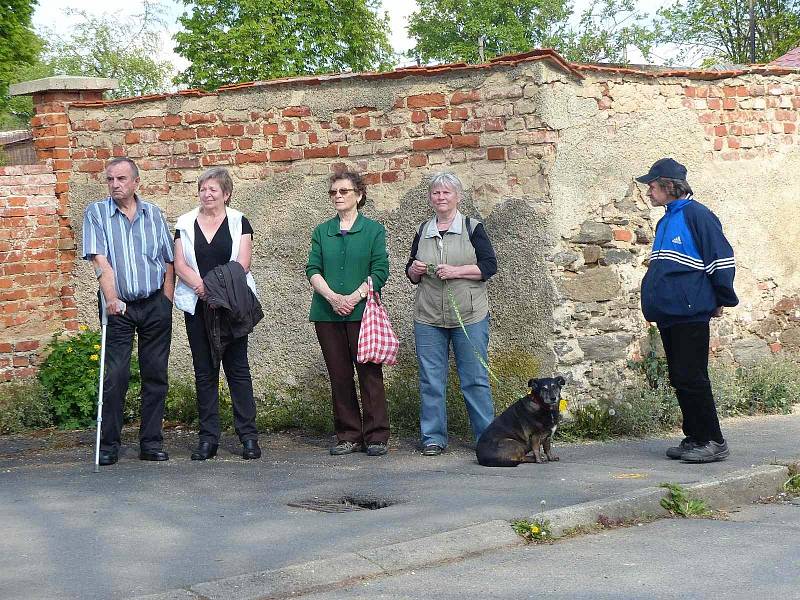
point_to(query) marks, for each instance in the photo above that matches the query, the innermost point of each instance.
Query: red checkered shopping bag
(377, 341)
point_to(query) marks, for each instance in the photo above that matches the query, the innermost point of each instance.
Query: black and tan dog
(524, 427)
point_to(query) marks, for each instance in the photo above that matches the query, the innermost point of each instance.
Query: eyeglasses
(342, 191)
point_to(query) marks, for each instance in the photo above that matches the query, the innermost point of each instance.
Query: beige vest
(432, 305)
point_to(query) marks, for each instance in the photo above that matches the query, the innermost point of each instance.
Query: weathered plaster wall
(547, 152)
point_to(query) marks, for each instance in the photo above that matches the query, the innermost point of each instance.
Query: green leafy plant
(535, 530)
(587, 422)
(69, 376)
(23, 405)
(678, 503)
(792, 485)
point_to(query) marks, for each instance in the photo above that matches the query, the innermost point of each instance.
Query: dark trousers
(151, 320)
(339, 343)
(206, 376)
(686, 347)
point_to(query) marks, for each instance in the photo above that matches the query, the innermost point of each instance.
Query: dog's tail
(493, 461)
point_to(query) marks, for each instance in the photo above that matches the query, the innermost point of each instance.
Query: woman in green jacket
(345, 250)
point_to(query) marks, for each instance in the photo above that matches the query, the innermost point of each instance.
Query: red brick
(719, 143)
(714, 104)
(690, 91)
(789, 128)
(184, 162)
(132, 137)
(720, 130)
(440, 113)
(496, 153)
(172, 120)
(343, 122)
(393, 133)
(623, 235)
(733, 143)
(174, 176)
(296, 111)
(776, 347)
(425, 100)
(418, 160)
(452, 128)
(278, 141)
(195, 118)
(419, 116)
(459, 114)
(6, 348)
(331, 151)
(494, 124)
(251, 157)
(362, 121)
(466, 141)
(729, 104)
(283, 155)
(464, 97)
(390, 176)
(245, 144)
(21, 361)
(431, 144)
(227, 145)
(26, 346)
(373, 135)
(91, 166)
(729, 91)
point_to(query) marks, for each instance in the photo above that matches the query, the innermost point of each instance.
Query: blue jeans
(433, 349)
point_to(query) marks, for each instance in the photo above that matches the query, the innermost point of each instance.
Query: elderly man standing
(128, 242)
(688, 281)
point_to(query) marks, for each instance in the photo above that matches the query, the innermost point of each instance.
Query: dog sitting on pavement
(525, 428)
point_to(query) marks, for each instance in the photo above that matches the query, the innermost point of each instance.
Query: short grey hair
(124, 160)
(675, 188)
(221, 176)
(448, 180)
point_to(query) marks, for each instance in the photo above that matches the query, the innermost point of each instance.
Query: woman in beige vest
(451, 260)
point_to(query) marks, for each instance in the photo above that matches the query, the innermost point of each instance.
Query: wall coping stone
(63, 82)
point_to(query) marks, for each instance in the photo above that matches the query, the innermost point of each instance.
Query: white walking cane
(103, 326)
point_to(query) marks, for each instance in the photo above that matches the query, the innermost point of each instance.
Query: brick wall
(547, 152)
(36, 263)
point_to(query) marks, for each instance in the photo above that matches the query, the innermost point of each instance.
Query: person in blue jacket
(689, 279)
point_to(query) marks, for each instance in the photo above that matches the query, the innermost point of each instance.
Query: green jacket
(345, 261)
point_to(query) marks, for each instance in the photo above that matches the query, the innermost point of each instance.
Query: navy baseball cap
(666, 167)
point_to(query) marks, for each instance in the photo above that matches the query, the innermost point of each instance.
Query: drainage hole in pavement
(341, 505)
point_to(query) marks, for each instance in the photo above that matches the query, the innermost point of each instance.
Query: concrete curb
(736, 488)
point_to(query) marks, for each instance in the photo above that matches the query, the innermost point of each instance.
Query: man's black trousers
(151, 320)
(686, 347)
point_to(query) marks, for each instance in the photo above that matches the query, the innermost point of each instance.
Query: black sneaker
(378, 449)
(432, 450)
(345, 448)
(675, 452)
(710, 452)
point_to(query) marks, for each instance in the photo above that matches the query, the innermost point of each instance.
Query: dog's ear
(534, 385)
(561, 381)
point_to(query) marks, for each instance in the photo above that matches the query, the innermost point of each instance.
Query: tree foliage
(19, 49)
(718, 30)
(228, 41)
(120, 47)
(451, 30)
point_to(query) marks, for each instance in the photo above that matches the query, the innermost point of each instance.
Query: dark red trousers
(339, 343)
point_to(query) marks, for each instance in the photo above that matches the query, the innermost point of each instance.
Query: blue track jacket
(691, 267)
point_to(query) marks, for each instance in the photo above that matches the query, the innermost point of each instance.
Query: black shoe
(251, 450)
(204, 451)
(432, 450)
(709, 452)
(108, 457)
(675, 452)
(345, 447)
(154, 455)
(377, 449)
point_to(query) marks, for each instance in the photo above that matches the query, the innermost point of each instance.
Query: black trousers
(151, 320)
(686, 347)
(339, 343)
(206, 376)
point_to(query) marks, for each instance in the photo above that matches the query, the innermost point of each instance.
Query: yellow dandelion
(82, 327)
(69, 349)
(93, 357)
(96, 346)
(535, 529)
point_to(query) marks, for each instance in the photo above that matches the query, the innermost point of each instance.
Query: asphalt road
(754, 554)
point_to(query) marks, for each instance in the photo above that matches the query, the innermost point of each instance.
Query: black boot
(204, 451)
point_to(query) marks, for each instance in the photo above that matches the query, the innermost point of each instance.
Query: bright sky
(49, 14)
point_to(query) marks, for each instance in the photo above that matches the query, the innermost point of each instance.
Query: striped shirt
(137, 251)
